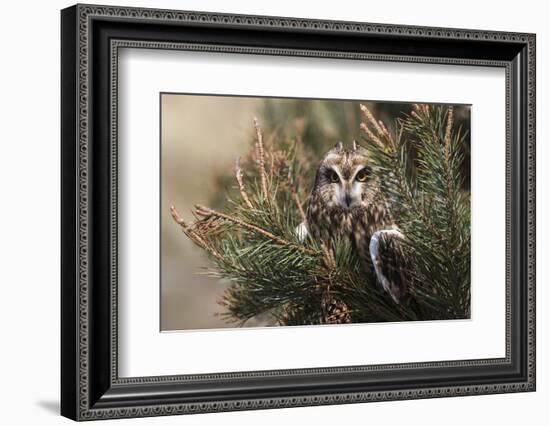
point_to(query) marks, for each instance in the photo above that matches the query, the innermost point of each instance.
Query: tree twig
(298, 203)
(447, 148)
(372, 120)
(239, 177)
(193, 235)
(371, 135)
(261, 158)
(447, 140)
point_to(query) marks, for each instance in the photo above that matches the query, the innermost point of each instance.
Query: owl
(346, 202)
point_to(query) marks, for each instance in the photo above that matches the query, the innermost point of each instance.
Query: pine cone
(335, 311)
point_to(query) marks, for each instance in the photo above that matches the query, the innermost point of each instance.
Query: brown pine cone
(335, 311)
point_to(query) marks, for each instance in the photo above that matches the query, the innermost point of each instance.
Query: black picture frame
(90, 38)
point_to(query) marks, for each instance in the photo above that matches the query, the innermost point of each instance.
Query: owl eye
(333, 176)
(362, 175)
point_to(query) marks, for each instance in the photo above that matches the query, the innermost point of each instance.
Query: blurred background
(201, 136)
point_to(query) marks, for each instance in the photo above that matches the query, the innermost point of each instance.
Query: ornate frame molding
(88, 402)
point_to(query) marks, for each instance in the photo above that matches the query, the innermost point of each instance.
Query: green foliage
(253, 243)
(420, 174)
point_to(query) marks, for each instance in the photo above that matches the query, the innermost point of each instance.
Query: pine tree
(252, 240)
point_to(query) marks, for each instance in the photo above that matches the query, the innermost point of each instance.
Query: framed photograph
(263, 212)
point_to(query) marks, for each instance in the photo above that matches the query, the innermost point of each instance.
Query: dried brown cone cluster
(334, 310)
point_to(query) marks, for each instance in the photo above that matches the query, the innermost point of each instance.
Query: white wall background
(29, 213)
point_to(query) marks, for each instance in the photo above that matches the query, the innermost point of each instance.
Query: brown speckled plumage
(346, 202)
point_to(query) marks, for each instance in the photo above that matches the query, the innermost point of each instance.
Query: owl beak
(347, 199)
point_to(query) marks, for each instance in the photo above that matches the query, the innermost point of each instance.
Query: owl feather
(346, 202)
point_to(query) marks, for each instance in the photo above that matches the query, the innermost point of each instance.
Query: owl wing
(389, 260)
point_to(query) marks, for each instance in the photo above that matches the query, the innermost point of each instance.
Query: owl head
(344, 179)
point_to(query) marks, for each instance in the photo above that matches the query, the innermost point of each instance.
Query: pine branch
(253, 244)
(434, 210)
(208, 213)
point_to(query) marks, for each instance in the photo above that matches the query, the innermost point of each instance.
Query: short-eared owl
(346, 202)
